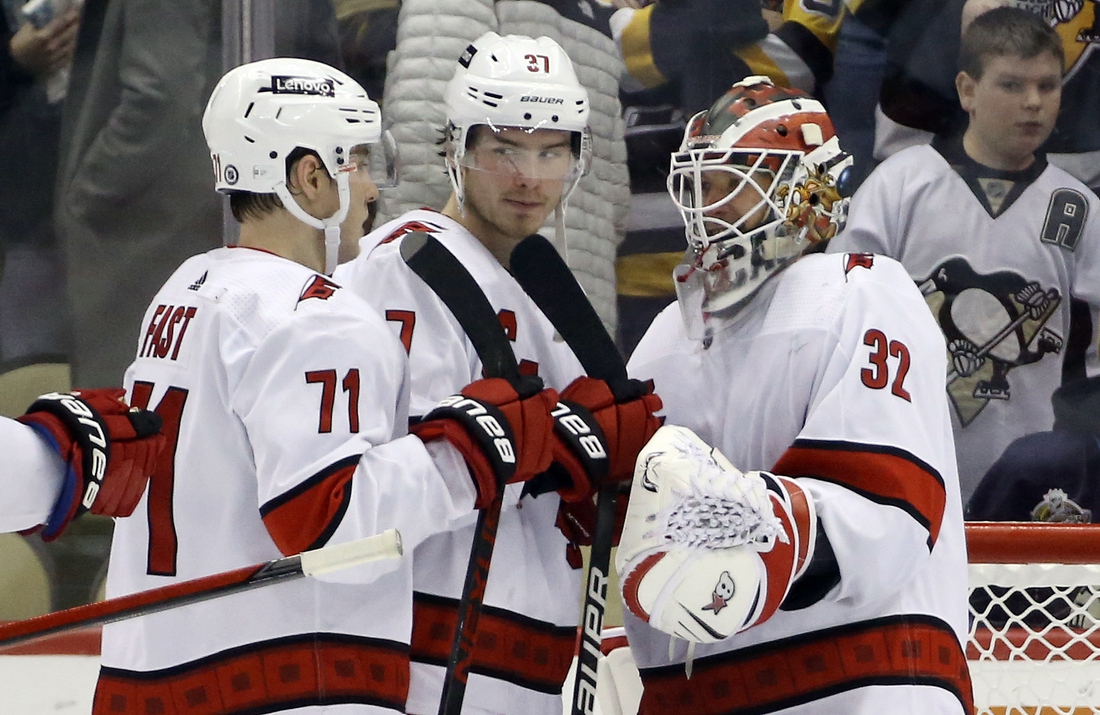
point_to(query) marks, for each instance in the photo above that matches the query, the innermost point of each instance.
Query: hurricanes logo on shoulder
(858, 260)
(723, 592)
(411, 227)
(320, 287)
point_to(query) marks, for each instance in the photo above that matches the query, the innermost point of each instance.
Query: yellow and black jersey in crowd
(664, 41)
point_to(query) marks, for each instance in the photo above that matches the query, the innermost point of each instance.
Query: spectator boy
(997, 239)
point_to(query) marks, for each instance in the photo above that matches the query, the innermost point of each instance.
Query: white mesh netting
(1034, 641)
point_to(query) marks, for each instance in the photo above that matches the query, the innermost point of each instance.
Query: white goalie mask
(262, 111)
(517, 82)
(758, 178)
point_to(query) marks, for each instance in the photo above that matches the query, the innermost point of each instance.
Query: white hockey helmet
(262, 111)
(521, 82)
(773, 153)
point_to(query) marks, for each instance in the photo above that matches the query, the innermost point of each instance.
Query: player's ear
(965, 85)
(308, 176)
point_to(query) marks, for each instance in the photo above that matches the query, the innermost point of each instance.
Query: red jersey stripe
(882, 474)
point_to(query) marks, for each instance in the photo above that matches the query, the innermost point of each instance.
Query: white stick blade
(386, 545)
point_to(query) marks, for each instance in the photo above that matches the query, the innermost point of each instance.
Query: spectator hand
(44, 51)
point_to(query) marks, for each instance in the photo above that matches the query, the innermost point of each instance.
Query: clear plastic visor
(521, 153)
(379, 162)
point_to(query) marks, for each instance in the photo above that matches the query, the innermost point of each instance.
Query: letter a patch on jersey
(320, 287)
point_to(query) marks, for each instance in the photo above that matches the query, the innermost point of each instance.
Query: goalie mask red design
(758, 178)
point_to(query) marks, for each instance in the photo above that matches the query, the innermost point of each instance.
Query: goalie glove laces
(720, 508)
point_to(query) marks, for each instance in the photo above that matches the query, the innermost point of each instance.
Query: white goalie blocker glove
(706, 550)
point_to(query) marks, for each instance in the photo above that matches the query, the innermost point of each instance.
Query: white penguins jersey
(997, 256)
(527, 630)
(831, 375)
(284, 400)
(31, 477)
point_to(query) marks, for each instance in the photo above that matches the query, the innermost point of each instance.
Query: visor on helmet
(497, 153)
(384, 162)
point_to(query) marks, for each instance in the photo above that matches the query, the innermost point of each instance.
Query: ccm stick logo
(589, 442)
(488, 424)
(95, 435)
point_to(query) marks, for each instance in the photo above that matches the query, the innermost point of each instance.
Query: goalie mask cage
(1034, 639)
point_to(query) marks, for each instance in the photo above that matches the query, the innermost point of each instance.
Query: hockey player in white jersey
(285, 400)
(515, 147)
(72, 453)
(795, 543)
(997, 239)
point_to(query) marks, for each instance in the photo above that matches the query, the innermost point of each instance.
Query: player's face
(744, 199)
(363, 192)
(513, 179)
(1012, 108)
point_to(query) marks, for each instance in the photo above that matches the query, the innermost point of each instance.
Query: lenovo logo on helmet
(315, 86)
(541, 100)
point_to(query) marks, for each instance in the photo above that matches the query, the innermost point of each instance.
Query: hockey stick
(543, 274)
(458, 290)
(386, 545)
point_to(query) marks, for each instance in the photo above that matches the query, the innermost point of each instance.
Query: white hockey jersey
(527, 630)
(997, 256)
(31, 477)
(833, 375)
(284, 400)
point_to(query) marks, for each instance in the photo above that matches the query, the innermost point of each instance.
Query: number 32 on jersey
(889, 364)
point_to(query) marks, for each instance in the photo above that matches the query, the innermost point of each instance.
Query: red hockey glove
(110, 448)
(624, 422)
(503, 434)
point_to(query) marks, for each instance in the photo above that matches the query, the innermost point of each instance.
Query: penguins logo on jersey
(1079, 18)
(993, 323)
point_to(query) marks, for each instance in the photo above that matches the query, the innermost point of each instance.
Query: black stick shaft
(458, 290)
(545, 277)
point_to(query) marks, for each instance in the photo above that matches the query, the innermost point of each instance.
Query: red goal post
(1034, 639)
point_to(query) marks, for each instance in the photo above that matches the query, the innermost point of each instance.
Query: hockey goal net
(1034, 641)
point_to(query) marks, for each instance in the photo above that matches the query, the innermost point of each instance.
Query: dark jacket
(1066, 458)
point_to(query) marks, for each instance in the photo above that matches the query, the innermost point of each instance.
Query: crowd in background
(106, 189)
